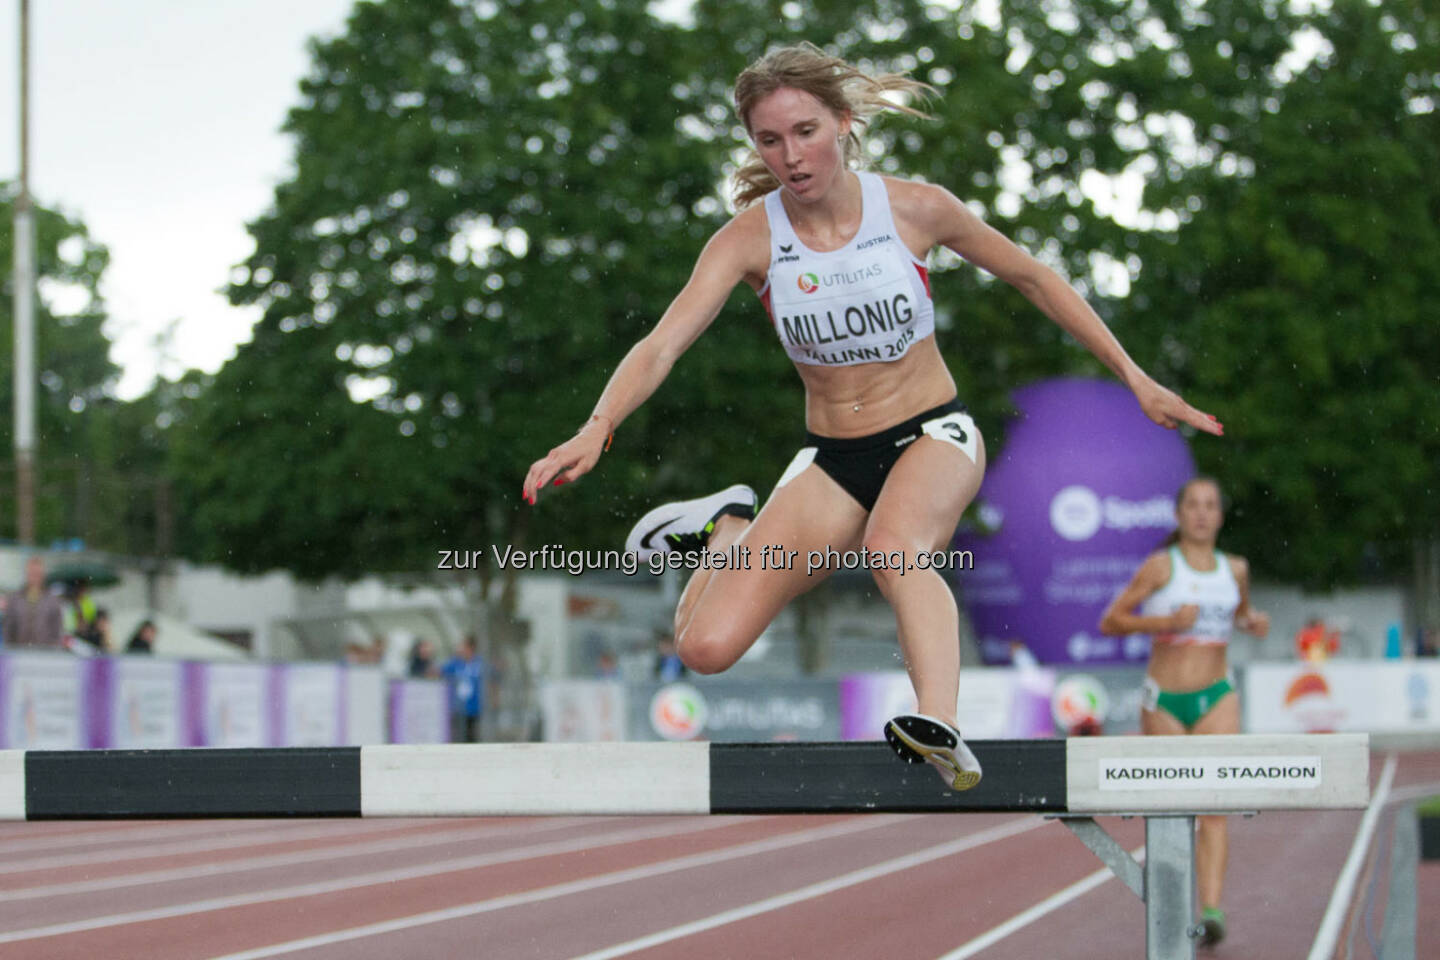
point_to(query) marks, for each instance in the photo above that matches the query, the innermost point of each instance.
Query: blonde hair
(837, 84)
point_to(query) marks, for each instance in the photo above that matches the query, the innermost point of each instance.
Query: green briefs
(1186, 707)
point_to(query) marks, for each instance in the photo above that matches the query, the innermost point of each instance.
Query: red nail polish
(559, 482)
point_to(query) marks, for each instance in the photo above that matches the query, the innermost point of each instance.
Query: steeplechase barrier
(1166, 780)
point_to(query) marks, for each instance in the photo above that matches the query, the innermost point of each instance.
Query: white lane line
(856, 825)
(864, 875)
(692, 825)
(178, 848)
(135, 833)
(364, 848)
(1328, 935)
(1026, 917)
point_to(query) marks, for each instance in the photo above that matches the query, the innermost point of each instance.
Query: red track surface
(752, 888)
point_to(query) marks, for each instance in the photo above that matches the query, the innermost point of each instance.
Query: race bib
(958, 430)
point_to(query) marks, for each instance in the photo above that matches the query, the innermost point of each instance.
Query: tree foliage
(487, 209)
(491, 201)
(1299, 300)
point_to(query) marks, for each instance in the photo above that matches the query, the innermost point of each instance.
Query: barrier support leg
(1169, 888)
(1166, 882)
(1108, 849)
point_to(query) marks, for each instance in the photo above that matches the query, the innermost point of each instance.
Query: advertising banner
(367, 697)
(145, 703)
(735, 711)
(583, 710)
(312, 704)
(1083, 489)
(1108, 696)
(994, 703)
(234, 711)
(56, 701)
(419, 711)
(42, 702)
(1342, 696)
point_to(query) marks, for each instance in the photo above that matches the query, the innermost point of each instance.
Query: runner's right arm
(1120, 617)
(726, 260)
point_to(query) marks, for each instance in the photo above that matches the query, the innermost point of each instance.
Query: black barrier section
(129, 784)
(1020, 775)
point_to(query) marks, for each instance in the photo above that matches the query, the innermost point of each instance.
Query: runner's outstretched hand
(566, 463)
(1166, 408)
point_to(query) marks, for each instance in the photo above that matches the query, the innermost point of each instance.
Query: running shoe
(685, 526)
(1212, 926)
(917, 738)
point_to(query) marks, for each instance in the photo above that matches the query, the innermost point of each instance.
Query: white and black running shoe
(685, 526)
(917, 738)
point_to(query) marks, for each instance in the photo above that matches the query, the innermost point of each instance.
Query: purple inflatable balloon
(1084, 489)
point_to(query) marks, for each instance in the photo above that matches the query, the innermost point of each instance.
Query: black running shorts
(861, 464)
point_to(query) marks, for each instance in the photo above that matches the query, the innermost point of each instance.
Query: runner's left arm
(1247, 618)
(946, 221)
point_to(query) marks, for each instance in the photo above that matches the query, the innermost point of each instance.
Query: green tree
(1299, 302)
(486, 210)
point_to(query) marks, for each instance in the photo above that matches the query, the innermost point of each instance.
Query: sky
(157, 124)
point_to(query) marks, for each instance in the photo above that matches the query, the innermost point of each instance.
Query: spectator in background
(1316, 642)
(366, 654)
(668, 665)
(466, 675)
(143, 639)
(422, 660)
(100, 631)
(34, 617)
(379, 643)
(1428, 644)
(80, 614)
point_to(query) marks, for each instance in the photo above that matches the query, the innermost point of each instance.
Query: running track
(999, 887)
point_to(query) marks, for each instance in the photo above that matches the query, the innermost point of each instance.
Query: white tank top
(1215, 592)
(868, 301)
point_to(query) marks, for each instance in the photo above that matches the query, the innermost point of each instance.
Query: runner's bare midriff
(866, 398)
(1184, 668)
